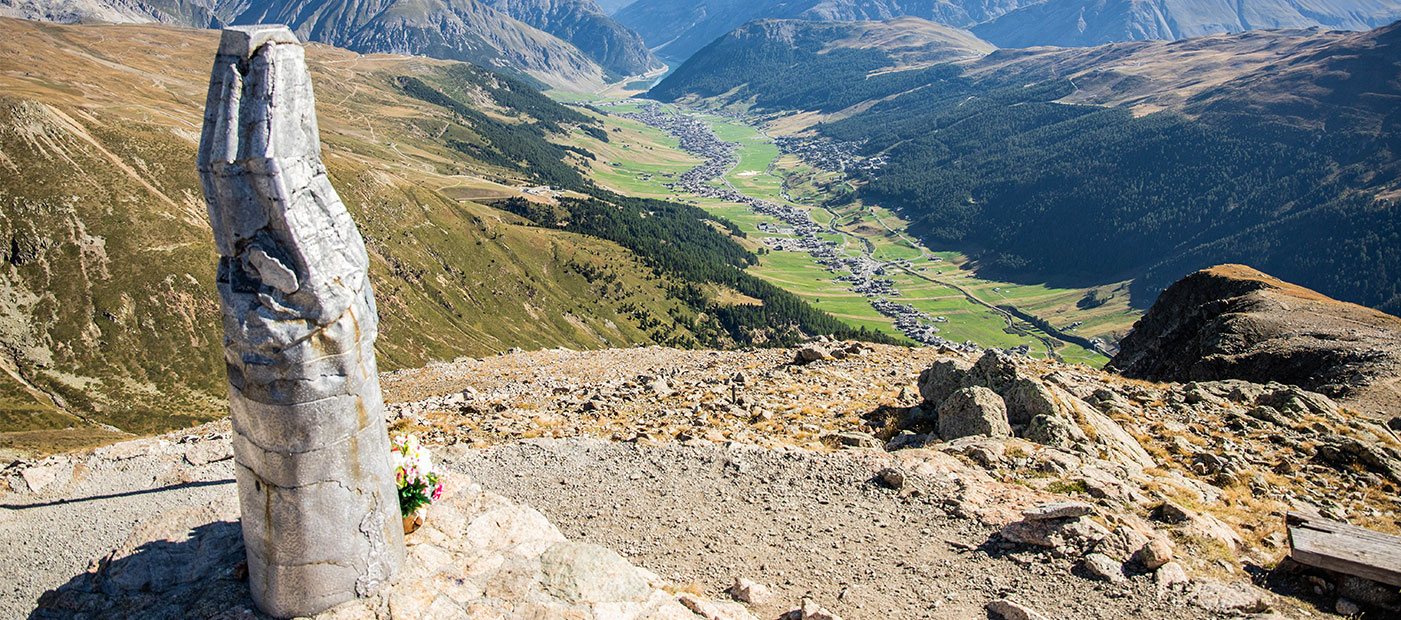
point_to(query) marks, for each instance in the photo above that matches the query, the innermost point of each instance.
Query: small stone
(1346, 607)
(1169, 575)
(661, 388)
(1058, 510)
(1229, 597)
(857, 439)
(892, 477)
(1155, 554)
(1105, 567)
(205, 452)
(1121, 544)
(810, 610)
(1009, 610)
(711, 610)
(750, 592)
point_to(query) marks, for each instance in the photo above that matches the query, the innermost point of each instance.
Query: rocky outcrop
(1002, 393)
(1233, 322)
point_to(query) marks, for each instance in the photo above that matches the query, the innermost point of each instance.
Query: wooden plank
(1344, 548)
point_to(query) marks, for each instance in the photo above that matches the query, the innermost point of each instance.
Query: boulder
(1155, 554)
(942, 379)
(1235, 597)
(1169, 575)
(1054, 431)
(809, 354)
(1104, 567)
(973, 411)
(1121, 544)
(1028, 398)
(995, 370)
(1072, 533)
(750, 592)
(582, 572)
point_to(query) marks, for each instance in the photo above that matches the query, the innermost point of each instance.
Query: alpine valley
(888, 309)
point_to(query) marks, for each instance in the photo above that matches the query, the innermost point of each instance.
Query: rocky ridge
(1234, 322)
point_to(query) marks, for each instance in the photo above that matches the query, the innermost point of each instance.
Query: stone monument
(319, 507)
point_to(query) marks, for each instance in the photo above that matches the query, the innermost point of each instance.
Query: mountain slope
(1145, 160)
(679, 28)
(1069, 23)
(814, 65)
(107, 268)
(583, 24)
(465, 30)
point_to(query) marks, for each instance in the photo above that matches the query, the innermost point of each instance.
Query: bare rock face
(1233, 322)
(319, 509)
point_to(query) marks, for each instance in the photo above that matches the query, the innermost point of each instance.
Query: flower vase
(412, 522)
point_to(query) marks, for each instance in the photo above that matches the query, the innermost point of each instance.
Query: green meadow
(640, 160)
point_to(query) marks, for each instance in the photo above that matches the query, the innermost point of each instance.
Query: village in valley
(798, 231)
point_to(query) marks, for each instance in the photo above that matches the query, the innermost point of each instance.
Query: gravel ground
(51, 537)
(803, 523)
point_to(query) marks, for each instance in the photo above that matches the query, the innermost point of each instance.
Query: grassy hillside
(1146, 161)
(109, 313)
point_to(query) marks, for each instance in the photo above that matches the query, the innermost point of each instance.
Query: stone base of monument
(477, 555)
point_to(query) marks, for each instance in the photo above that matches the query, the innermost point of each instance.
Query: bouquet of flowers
(413, 472)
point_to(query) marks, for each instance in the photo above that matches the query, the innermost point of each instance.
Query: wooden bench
(1344, 548)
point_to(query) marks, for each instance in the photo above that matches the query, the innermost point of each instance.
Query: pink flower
(437, 491)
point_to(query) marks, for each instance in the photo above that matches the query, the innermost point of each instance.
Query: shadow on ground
(188, 567)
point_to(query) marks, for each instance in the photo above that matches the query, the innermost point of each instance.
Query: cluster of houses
(800, 232)
(830, 155)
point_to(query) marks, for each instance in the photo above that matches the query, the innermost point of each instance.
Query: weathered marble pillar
(320, 512)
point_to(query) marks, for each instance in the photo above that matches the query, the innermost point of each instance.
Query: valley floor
(939, 293)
